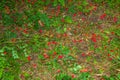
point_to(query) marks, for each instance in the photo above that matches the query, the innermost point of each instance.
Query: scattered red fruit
(94, 38)
(84, 70)
(40, 31)
(83, 54)
(65, 34)
(112, 33)
(54, 53)
(25, 31)
(34, 65)
(5, 53)
(58, 71)
(48, 43)
(103, 16)
(45, 55)
(60, 57)
(54, 42)
(95, 8)
(115, 19)
(29, 0)
(110, 59)
(74, 14)
(29, 58)
(111, 50)
(108, 55)
(73, 76)
(80, 40)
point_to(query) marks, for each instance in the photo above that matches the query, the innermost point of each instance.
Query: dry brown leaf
(40, 23)
(7, 9)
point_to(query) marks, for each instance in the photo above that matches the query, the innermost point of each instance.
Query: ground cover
(59, 40)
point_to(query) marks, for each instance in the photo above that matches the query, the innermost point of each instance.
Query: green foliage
(113, 4)
(62, 50)
(19, 19)
(63, 76)
(72, 9)
(57, 2)
(10, 3)
(98, 1)
(68, 19)
(83, 6)
(75, 68)
(7, 20)
(62, 2)
(2, 66)
(85, 76)
(2, 4)
(33, 16)
(9, 35)
(44, 18)
(56, 22)
(112, 77)
(8, 68)
(8, 76)
(117, 32)
(84, 3)
(115, 42)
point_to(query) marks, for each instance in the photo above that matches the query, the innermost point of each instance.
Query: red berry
(53, 42)
(103, 16)
(73, 75)
(60, 57)
(58, 71)
(34, 65)
(84, 70)
(110, 59)
(45, 55)
(29, 58)
(48, 43)
(40, 31)
(25, 31)
(5, 53)
(55, 53)
(65, 34)
(94, 39)
(115, 19)
(111, 50)
(108, 55)
(112, 33)
(74, 14)
(58, 7)
(83, 54)
(74, 41)
(29, 0)
(80, 40)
